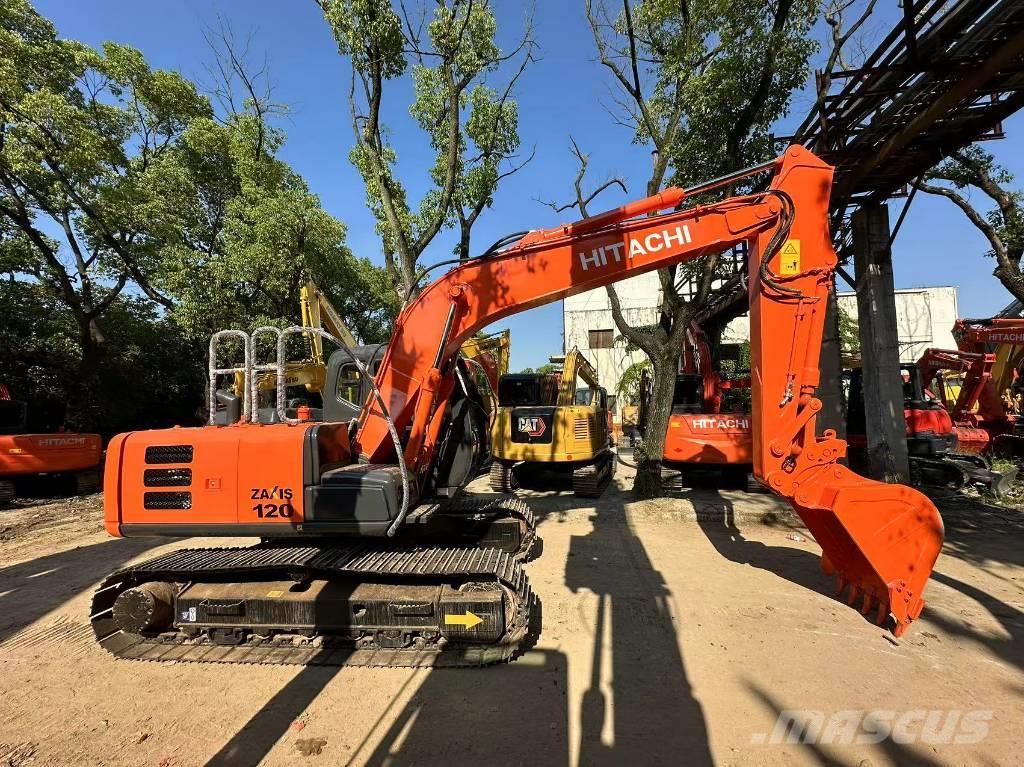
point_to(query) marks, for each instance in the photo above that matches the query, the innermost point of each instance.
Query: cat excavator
(363, 557)
(544, 420)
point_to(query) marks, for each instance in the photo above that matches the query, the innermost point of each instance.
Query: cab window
(349, 389)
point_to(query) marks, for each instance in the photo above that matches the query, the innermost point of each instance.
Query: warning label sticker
(789, 258)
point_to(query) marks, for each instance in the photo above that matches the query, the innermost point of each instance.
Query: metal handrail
(282, 343)
(276, 367)
(215, 371)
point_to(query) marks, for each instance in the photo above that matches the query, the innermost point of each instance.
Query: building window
(601, 339)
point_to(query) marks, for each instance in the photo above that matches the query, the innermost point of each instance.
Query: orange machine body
(709, 438)
(248, 479)
(881, 540)
(24, 454)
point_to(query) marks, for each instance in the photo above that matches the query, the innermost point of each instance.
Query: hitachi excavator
(61, 454)
(546, 421)
(703, 435)
(353, 564)
(985, 354)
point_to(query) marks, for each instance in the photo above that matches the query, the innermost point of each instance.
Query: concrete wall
(924, 318)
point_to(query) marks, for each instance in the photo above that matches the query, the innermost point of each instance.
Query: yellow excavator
(492, 351)
(317, 312)
(544, 419)
(488, 353)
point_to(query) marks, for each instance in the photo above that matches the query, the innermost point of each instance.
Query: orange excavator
(703, 434)
(980, 416)
(61, 454)
(363, 556)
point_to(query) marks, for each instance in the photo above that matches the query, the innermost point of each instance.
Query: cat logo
(534, 427)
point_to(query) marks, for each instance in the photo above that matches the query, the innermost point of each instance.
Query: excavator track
(590, 479)
(498, 510)
(502, 479)
(426, 607)
(937, 472)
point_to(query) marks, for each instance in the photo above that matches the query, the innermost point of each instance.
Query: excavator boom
(881, 540)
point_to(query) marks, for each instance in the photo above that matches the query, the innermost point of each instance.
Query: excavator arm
(880, 540)
(980, 336)
(575, 366)
(319, 312)
(976, 368)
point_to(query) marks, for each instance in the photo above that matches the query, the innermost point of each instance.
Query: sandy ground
(675, 632)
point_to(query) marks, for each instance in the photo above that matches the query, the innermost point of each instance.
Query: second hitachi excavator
(986, 350)
(341, 574)
(702, 435)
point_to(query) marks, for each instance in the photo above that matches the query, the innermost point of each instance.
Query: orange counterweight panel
(248, 476)
(48, 453)
(709, 438)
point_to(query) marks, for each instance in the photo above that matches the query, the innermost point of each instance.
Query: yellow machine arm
(318, 312)
(576, 365)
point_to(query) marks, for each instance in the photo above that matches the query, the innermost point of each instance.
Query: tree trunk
(83, 410)
(648, 482)
(1012, 281)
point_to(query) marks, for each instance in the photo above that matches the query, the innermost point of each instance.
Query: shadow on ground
(638, 706)
(32, 589)
(798, 729)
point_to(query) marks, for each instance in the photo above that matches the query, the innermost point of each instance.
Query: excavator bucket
(880, 540)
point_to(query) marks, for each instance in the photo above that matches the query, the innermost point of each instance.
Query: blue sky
(561, 95)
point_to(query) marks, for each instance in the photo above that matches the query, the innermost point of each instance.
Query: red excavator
(980, 416)
(363, 556)
(705, 435)
(61, 454)
(934, 444)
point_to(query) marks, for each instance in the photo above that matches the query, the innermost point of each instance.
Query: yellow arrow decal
(468, 621)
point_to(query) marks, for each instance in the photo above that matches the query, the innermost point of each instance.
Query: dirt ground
(674, 632)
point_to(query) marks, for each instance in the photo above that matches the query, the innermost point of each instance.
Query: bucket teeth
(883, 612)
(865, 608)
(840, 584)
(852, 596)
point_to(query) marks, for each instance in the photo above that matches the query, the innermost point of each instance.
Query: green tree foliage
(628, 388)
(1003, 224)
(155, 380)
(545, 369)
(701, 83)
(134, 214)
(849, 332)
(448, 51)
(252, 228)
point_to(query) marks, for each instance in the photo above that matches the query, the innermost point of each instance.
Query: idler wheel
(145, 608)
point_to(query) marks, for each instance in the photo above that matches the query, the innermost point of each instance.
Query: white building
(925, 318)
(589, 325)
